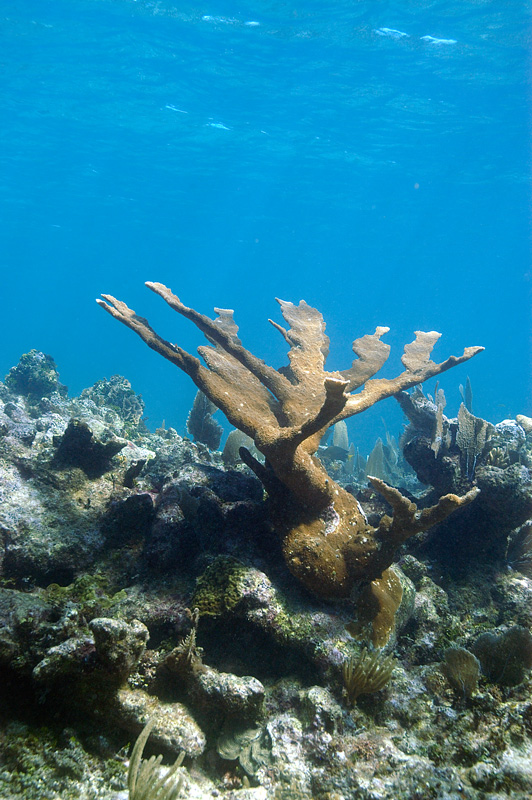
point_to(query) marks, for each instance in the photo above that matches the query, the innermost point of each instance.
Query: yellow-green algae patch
(91, 592)
(219, 589)
(225, 584)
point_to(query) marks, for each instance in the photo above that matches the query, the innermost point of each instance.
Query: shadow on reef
(155, 587)
(252, 652)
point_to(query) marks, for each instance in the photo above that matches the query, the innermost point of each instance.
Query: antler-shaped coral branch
(326, 541)
(419, 368)
(407, 519)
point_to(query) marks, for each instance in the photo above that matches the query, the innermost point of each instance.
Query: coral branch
(407, 520)
(223, 332)
(372, 354)
(419, 368)
(218, 381)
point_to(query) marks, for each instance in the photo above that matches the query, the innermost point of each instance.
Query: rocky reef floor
(141, 579)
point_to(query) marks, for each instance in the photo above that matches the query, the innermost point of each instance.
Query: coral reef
(154, 589)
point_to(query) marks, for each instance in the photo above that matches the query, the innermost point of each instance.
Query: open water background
(239, 151)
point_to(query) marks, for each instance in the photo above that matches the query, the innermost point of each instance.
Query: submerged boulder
(35, 376)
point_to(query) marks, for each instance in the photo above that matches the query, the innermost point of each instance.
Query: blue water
(242, 151)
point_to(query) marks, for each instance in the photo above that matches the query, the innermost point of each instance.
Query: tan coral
(327, 542)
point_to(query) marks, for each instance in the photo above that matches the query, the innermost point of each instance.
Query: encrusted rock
(128, 520)
(22, 621)
(35, 376)
(115, 394)
(72, 658)
(321, 710)
(431, 610)
(79, 448)
(231, 695)
(175, 730)
(510, 434)
(288, 754)
(119, 644)
(110, 654)
(525, 423)
(64, 534)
